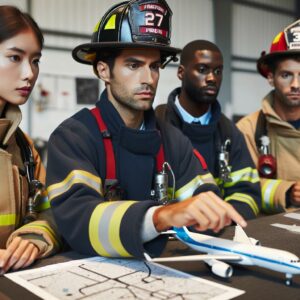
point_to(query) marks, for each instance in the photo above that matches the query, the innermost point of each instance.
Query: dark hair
(13, 21)
(109, 56)
(190, 48)
(273, 63)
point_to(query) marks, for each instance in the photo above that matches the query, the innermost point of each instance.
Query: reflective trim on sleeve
(76, 176)
(208, 178)
(8, 220)
(246, 174)
(244, 198)
(104, 228)
(268, 192)
(188, 190)
(44, 228)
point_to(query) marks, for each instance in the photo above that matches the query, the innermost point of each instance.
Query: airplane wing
(293, 228)
(197, 257)
(168, 232)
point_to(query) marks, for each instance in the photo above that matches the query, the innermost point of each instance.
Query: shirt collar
(188, 118)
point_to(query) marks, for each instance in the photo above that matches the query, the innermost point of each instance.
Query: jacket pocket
(8, 195)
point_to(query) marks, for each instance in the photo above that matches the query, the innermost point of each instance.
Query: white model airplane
(241, 250)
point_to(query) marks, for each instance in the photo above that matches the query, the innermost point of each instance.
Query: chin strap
(173, 58)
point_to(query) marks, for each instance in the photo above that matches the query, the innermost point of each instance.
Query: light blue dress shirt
(204, 119)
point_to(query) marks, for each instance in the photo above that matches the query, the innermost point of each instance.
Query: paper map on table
(106, 278)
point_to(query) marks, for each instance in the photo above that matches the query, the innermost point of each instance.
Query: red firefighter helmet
(131, 24)
(285, 44)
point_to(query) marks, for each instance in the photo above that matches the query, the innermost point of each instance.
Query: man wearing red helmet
(107, 167)
(273, 133)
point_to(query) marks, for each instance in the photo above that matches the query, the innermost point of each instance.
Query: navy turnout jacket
(92, 224)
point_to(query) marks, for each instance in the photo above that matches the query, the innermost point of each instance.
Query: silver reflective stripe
(76, 176)
(103, 228)
(247, 174)
(189, 189)
(267, 196)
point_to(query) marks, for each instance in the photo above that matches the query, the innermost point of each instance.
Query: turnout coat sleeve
(43, 232)
(243, 192)
(90, 224)
(273, 190)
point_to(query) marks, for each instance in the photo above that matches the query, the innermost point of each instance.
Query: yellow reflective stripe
(111, 23)
(94, 228)
(8, 220)
(114, 228)
(218, 180)
(277, 38)
(246, 174)
(44, 203)
(244, 198)
(187, 190)
(76, 176)
(268, 191)
(45, 228)
(208, 178)
(96, 27)
(104, 228)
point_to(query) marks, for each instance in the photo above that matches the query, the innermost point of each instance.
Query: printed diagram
(104, 278)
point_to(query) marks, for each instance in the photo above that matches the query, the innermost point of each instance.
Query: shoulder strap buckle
(106, 134)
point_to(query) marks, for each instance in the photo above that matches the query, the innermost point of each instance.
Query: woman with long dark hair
(27, 231)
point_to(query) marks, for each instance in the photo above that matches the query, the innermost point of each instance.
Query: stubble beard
(127, 100)
(286, 102)
(197, 95)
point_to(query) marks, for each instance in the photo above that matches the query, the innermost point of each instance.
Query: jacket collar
(270, 113)
(9, 122)
(192, 130)
(146, 141)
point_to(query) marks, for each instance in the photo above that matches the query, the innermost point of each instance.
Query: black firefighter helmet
(131, 24)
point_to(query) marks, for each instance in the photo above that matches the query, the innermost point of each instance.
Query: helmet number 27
(150, 17)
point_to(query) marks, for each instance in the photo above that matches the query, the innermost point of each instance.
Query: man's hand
(203, 211)
(295, 193)
(19, 254)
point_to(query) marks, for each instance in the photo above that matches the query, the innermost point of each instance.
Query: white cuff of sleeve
(148, 231)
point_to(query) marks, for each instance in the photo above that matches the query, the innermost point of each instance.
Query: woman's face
(19, 67)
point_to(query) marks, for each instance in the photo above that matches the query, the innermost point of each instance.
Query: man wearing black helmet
(273, 133)
(105, 165)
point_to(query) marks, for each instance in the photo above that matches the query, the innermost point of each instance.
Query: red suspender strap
(201, 159)
(109, 150)
(160, 158)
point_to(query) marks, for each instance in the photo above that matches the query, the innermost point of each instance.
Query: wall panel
(254, 29)
(247, 91)
(22, 4)
(285, 4)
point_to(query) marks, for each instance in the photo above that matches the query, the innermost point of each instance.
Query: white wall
(253, 31)
(22, 4)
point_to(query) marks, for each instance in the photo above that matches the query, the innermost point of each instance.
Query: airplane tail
(241, 236)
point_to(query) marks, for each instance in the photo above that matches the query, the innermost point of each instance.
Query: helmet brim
(266, 59)
(84, 53)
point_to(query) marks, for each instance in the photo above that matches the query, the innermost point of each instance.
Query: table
(258, 283)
